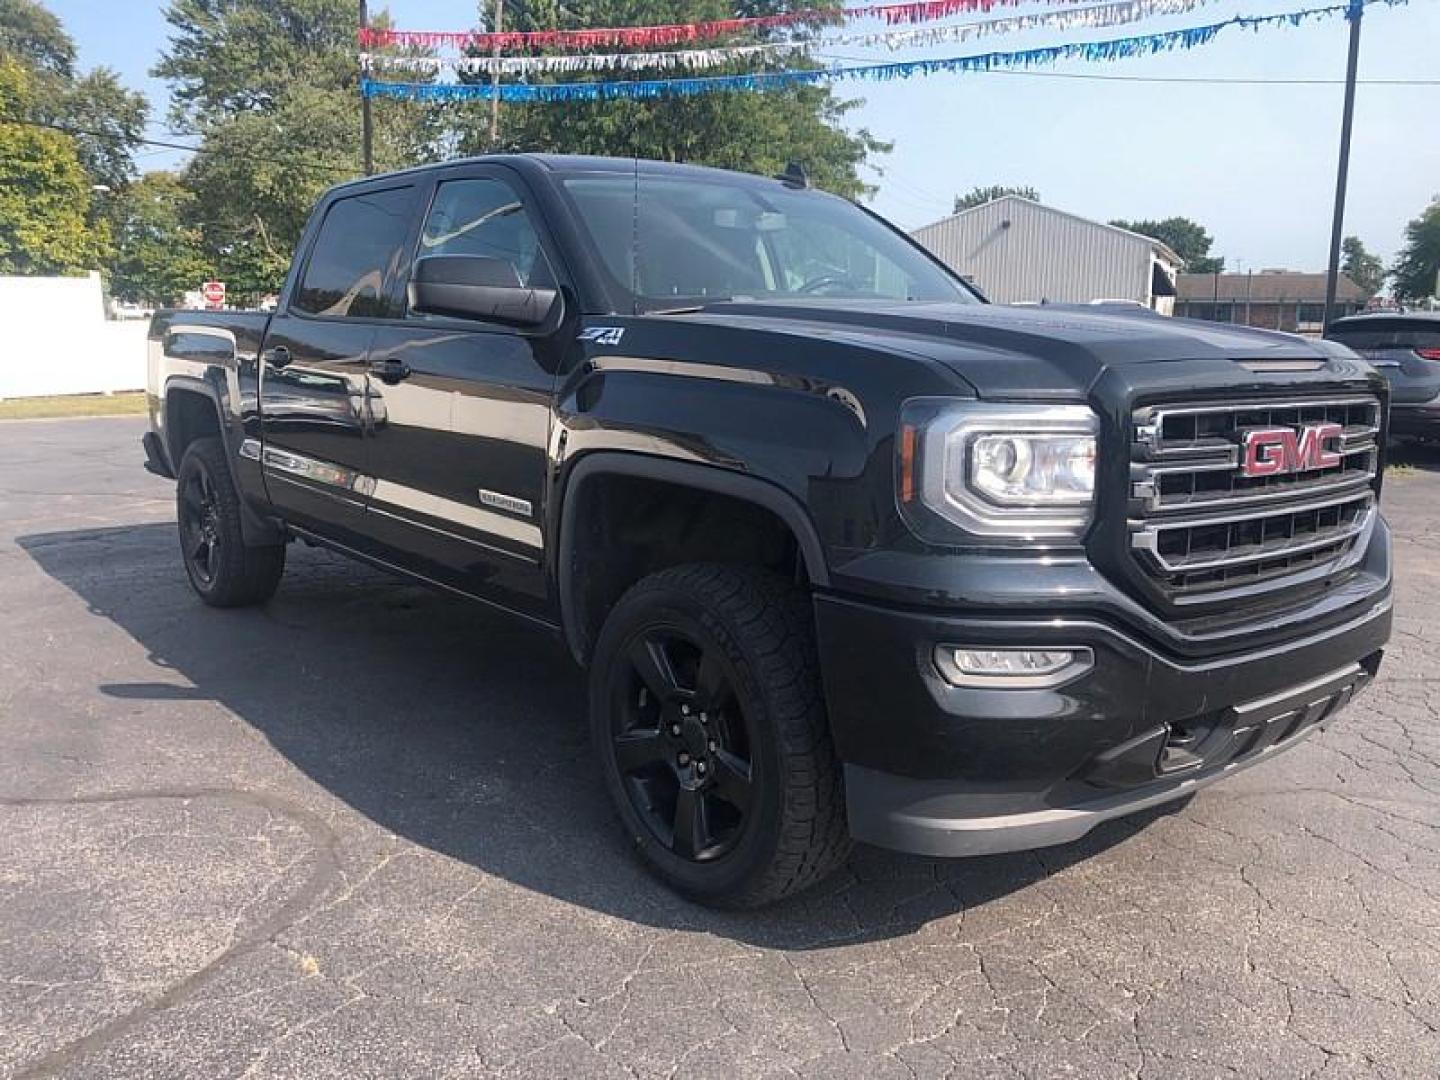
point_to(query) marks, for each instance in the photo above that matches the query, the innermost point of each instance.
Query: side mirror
(477, 287)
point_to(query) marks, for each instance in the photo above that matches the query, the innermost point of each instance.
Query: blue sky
(1254, 163)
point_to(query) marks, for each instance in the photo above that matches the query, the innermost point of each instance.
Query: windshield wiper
(690, 309)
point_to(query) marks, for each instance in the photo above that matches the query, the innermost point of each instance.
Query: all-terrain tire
(759, 630)
(223, 569)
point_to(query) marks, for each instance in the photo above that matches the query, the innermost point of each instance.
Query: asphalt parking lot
(357, 833)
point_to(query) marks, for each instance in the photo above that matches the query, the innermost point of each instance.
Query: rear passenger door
(314, 391)
(463, 410)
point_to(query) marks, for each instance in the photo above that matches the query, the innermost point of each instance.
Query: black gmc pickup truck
(846, 551)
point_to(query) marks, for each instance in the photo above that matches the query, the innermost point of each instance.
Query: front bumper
(920, 816)
(936, 769)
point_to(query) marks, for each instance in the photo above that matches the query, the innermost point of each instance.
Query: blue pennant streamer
(1113, 49)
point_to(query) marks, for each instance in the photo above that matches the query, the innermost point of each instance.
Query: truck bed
(212, 352)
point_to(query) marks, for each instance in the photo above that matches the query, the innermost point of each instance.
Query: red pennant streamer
(631, 37)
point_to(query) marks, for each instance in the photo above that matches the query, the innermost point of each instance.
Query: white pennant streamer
(1100, 15)
(690, 59)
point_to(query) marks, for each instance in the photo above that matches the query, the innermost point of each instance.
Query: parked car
(124, 310)
(1405, 348)
(848, 553)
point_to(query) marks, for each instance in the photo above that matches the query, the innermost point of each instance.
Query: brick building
(1272, 299)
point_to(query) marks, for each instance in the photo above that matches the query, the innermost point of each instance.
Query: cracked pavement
(357, 833)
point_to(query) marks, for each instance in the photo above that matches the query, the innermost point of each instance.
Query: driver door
(463, 410)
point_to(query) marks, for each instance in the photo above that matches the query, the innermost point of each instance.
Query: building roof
(1266, 287)
(1160, 248)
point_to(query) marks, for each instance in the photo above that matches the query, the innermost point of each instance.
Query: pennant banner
(691, 59)
(630, 37)
(1099, 15)
(1113, 49)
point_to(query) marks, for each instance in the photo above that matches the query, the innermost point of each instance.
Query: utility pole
(496, 26)
(367, 127)
(1332, 270)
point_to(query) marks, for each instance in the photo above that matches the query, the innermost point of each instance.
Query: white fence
(56, 340)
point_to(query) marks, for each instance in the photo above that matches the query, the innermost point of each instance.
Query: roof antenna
(635, 241)
(794, 176)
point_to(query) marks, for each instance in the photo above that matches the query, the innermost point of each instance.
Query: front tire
(708, 719)
(223, 569)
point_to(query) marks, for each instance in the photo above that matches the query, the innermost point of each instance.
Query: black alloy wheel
(200, 532)
(682, 744)
(224, 569)
(708, 718)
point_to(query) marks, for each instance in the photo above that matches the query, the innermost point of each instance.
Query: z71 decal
(603, 335)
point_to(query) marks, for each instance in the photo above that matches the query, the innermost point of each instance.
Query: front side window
(671, 240)
(485, 217)
(356, 256)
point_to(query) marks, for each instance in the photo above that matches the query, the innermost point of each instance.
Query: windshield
(689, 240)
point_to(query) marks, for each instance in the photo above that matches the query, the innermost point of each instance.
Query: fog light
(1020, 669)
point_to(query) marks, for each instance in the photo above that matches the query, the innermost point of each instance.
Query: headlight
(1017, 472)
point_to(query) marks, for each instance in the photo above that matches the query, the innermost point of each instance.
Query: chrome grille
(1200, 525)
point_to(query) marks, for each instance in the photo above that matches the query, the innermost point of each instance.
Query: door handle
(278, 356)
(390, 371)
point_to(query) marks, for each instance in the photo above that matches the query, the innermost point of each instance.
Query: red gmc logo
(1271, 451)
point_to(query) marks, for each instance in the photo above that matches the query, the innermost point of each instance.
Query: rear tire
(223, 569)
(709, 723)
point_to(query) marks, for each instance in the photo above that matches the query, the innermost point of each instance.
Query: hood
(1053, 352)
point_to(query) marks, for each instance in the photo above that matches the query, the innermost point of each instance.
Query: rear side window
(485, 217)
(357, 255)
(1397, 335)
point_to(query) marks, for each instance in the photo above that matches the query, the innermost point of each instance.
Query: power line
(302, 163)
(1217, 80)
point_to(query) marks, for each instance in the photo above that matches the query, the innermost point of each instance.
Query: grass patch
(41, 408)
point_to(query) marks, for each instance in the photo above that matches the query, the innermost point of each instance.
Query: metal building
(1019, 251)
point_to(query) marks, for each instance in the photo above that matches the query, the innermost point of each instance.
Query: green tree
(228, 57)
(108, 121)
(981, 195)
(1186, 238)
(34, 37)
(758, 133)
(44, 191)
(1418, 265)
(1360, 266)
(158, 253)
(105, 119)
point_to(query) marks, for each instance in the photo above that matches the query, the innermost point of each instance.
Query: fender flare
(255, 528)
(189, 384)
(711, 478)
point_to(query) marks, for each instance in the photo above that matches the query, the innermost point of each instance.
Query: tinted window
(485, 217)
(357, 255)
(694, 238)
(1389, 334)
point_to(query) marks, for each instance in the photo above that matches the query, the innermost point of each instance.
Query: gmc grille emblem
(1272, 451)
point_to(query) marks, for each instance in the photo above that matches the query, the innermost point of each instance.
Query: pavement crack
(321, 869)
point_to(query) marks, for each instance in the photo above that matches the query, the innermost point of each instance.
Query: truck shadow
(465, 733)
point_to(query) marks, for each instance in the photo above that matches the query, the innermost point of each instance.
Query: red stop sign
(213, 292)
